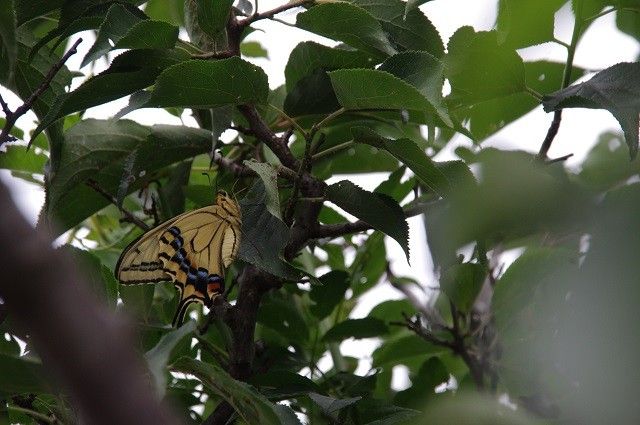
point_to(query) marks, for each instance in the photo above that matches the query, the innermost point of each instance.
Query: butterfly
(192, 250)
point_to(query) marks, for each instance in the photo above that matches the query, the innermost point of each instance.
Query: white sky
(602, 46)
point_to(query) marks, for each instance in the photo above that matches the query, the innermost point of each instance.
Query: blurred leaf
(403, 348)
(213, 15)
(20, 375)
(462, 283)
(382, 91)
(160, 355)
(330, 405)
(283, 383)
(18, 158)
(392, 310)
(616, 89)
(269, 176)
(8, 42)
(380, 211)
(378, 412)
(309, 56)
(356, 328)
(29, 9)
(431, 374)
(475, 57)
(252, 407)
(369, 265)
(406, 30)
(473, 409)
(329, 293)
(206, 84)
(523, 23)
(607, 163)
(253, 49)
(348, 23)
(117, 23)
(488, 117)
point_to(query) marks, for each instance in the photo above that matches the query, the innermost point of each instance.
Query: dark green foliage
(534, 294)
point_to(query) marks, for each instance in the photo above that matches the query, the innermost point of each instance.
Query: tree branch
(12, 117)
(127, 214)
(87, 349)
(270, 13)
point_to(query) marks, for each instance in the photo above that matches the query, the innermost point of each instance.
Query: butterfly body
(192, 250)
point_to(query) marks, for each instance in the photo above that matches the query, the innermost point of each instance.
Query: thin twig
(566, 79)
(12, 117)
(560, 159)
(128, 214)
(269, 13)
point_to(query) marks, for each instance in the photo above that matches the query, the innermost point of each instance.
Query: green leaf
(330, 405)
(405, 30)
(116, 25)
(21, 375)
(26, 10)
(607, 163)
(462, 283)
(616, 89)
(18, 158)
(269, 176)
(391, 310)
(378, 412)
(348, 23)
(149, 35)
(207, 84)
(477, 57)
(101, 281)
(171, 11)
(98, 149)
(8, 42)
(413, 4)
(432, 373)
(312, 94)
(264, 236)
(309, 56)
(131, 71)
(373, 89)
(160, 355)
(252, 407)
(282, 383)
(279, 312)
(356, 328)
(402, 349)
(488, 117)
(380, 211)
(423, 71)
(523, 23)
(253, 49)
(329, 293)
(213, 15)
(409, 154)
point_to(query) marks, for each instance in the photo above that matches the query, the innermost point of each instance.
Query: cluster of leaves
(543, 332)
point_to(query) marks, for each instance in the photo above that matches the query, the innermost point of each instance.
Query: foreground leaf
(616, 89)
(252, 406)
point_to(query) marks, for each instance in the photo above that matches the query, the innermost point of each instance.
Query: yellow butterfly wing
(192, 250)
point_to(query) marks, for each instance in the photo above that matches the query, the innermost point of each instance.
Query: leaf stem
(292, 121)
(332, 150)
(34, 414)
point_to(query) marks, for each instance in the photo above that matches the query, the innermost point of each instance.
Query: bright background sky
(601, 46)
